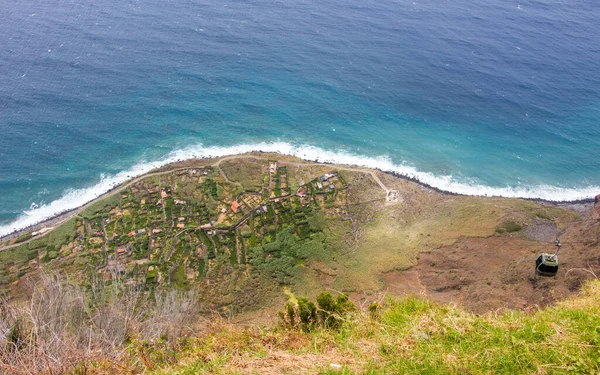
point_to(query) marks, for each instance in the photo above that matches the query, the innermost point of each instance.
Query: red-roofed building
(131, 234)
(234, 206)
(302, 193)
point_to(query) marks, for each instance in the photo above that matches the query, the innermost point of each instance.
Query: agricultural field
(238, 232)
(254, 231)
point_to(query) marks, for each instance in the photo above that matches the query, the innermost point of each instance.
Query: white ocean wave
(74, 198)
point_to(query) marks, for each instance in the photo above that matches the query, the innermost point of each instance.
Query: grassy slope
(378, 239)
(411, 336)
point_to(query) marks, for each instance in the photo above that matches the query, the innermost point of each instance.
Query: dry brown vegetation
(63, 326)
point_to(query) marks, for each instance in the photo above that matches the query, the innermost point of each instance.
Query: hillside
(410, 336)
(407, 336)
(238, 237)
(247, 228)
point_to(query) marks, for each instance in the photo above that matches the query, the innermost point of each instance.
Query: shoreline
(63, 216)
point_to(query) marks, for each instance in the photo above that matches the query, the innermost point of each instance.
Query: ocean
(481, 97)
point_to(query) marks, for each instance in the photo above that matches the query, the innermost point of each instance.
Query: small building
(181, 219)
(163, 194)
(156, 230)
(131, 234)
(177, 201)
(41, 231)
(121, 250)
(234, 206)
(302, 193)
(327, 176)
(205, 226)
(180, 225)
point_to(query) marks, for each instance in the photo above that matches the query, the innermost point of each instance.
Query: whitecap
(74, 198)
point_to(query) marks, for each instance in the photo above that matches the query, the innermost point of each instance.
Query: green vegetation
(24, 237)
(98, 208)
(510, 227)
(194, 227)
(249, 173)
(409, 336)
(278, 259)
(182, 228)
(328, 313)
(245, 237)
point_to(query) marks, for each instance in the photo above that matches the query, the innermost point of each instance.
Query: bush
(329, 314)
(24, 237)
(51, 253)
(512, 226)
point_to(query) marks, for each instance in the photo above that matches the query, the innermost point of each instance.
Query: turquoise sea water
(488, 97)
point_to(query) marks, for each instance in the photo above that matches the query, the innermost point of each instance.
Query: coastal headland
(242, 229)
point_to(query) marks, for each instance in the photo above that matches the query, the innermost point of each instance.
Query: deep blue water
(481, 96)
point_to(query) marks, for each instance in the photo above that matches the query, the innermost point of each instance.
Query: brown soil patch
(486, 274)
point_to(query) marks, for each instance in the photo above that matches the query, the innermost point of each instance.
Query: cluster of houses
(303, 190)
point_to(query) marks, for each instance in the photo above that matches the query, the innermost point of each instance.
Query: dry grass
(62, 327)
(412, 336)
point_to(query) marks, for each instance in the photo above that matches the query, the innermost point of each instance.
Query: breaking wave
(74, 198)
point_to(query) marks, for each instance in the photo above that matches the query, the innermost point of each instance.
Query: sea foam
(74, 198)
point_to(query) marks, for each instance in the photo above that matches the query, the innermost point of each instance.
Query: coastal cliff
(239, 237)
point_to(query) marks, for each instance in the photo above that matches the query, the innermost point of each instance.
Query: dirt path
(306, 164)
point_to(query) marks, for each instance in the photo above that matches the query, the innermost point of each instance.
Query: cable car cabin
(546, 264)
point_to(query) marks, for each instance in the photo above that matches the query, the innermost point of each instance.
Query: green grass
(441, 339)
(18, 256)
(58, 236)
(511, 226)
(410, 336)
(101, 207)
(246, 172)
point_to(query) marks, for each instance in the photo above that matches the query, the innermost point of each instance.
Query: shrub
(24, 237)
(512, 226)
(509, 226)
(329, 314)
